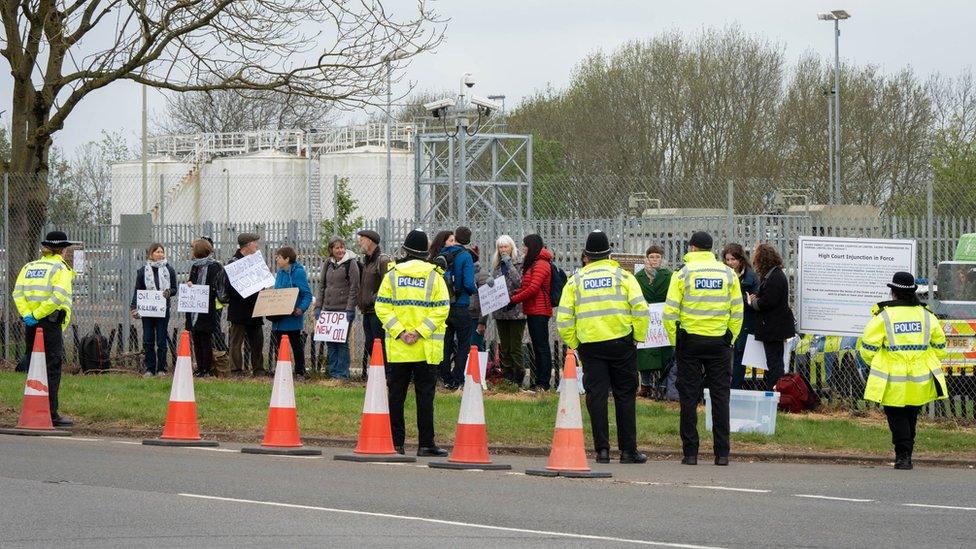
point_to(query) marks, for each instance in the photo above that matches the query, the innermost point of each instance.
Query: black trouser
(425, 385)
(53, 354)
(373, 329)
(254, 335)
(297, 349)
(738, 369)
(703, 358)
(774, 361)
(611, 365)
(155, 343)
(539, 334)
(457, 344)
(203, 350)
(902, 421)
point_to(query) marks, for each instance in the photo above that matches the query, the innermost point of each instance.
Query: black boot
(903, 461)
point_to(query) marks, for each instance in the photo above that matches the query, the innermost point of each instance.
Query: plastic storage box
(749, 411)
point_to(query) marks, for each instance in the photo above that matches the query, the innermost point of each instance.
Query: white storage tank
(263, 186)
(127, 183)
(365, 169)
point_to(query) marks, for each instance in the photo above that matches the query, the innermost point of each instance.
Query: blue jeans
(155, 344)
(338, 360)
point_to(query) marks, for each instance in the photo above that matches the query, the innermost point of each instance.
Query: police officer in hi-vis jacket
(703, 317)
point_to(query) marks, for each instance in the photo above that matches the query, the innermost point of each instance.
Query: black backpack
(348, 265)
(445, 260)
(557, 281)
(93, 353)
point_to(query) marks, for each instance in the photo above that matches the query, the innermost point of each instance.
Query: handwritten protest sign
(275, 302)
(332, 327)
(249, 274)
(193, 299)
(78, 261)
(150, 304)
(656, 336)
(493, 297)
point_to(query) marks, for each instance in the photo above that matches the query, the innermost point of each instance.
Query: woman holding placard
(291, 274)
(205, 271)
(507, 262)
(654, 279)
(339, 293)
(775, 322)
(155, 276)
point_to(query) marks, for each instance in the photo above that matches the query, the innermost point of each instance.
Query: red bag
(795, 394)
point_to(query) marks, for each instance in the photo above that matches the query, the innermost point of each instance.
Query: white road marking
(454, 523)
(212, 449)
(126, 442)
(939, 506)
(813, 496)
(730, 489)
(76, 439)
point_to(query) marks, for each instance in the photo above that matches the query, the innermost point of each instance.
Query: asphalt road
(86, 492)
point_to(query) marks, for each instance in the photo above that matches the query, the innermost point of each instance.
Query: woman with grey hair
(507, 262)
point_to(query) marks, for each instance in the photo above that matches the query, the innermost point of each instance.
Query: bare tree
(241, 110)
(57, 55)
(91, 174)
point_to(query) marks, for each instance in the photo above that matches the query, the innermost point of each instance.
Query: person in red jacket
(536, 304)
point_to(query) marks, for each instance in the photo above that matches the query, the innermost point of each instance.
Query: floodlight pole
(838, 192)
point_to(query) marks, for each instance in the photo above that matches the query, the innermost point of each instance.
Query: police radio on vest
(597, 283)
(708, 283)
(908, 327)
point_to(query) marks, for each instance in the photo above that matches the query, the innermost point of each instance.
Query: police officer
(42, 295)
(412, 304)
(703, 317)
(602, 314)
(904, 344)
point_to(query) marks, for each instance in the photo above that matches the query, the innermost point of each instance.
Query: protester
(654, 280)
(535, 297)
(702, 317)
(507, 262)
(459, 275)
(904, 344)
(603, 315)
(339, 293)
(480, 321)
(42, 295)
(443, 239)
(735, 257)
(375, 265)
(243, 326)
(291, 274)
(205, 270)
(156, 275)
(774, 323)
(413, 304)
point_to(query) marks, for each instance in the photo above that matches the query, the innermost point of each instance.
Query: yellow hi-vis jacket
(601, 302)
(43, 287)
(704, 297)
(414, 296)
(904, 345)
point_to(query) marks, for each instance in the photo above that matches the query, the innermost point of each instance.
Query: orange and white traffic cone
(470, 449)
(35, 412)
(568, 455)
(181, 427)
(375, 436)
(281, 436)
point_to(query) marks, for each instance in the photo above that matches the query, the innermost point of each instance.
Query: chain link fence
(291, 201)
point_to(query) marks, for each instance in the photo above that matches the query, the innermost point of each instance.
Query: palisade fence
(293, 210)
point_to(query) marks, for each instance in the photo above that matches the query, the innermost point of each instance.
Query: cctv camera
(468, 79)
(486, 103)
(435, 107)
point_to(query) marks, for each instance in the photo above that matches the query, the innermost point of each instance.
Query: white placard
(483, 368)
(754, 354)
(150, 303)
(493, 297)
(193, 299)
(638, 267)
(249, 274)
(656, 336)
(840, 279)
(78, 261)
(332, 327)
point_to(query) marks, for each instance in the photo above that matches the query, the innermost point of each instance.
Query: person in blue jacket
(735, 257)
(453, 256)
(291, 274)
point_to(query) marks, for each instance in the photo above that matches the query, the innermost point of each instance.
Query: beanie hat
(597, 243)
(462, 235)
(701, 240)
(416, 243)
(370, 234)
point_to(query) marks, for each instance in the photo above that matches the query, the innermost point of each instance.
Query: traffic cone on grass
(35, 412)
(568, 455)
(181, 428)
(375, 437)
(281, 436)
(470, 449)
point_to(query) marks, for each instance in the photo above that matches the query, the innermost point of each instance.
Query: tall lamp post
(388, 59)
(836, 16)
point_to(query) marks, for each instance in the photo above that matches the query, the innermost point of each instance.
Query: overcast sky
(515, 47)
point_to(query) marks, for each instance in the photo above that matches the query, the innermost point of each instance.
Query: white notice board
(840, 279)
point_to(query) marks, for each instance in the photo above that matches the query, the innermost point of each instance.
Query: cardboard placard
(275, 302)
(193, 299)
(332, 327)
(656, 336)
(629, 262)
(78, 261)
(249, 274)
(150, 304)
(493, 297)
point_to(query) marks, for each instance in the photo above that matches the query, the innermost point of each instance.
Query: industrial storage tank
(264, 186)
(365, 170)
(127, 184)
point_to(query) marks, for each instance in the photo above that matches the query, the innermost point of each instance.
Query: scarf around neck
(150, 280)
